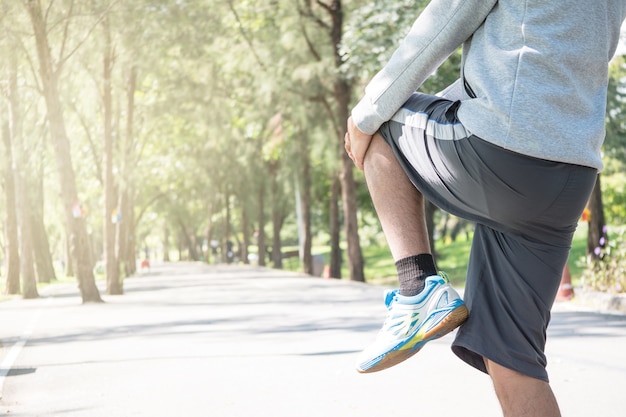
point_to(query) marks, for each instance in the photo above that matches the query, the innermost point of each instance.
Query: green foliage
(445, 75)
(608, 273)
(614, 197)
(613, 190)
(211, 75)
(373, 32)
(615, 143)
(452, 258)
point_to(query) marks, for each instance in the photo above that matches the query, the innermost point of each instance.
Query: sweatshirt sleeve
(441, 28)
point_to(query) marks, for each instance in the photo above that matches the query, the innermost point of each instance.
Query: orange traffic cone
(566, 290)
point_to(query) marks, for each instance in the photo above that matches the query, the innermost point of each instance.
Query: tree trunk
(180, 246)
(277, 255)
(78, 241)
(211, 251)
(125, 227)
(187, 238)
(597, 222)
(122, 233)
(23, 206)
(166, 244)
(342, 93)
(459, 225)
(114, 286)
(429, 214)
(245, 232)
(305, 197)
(43, 255)
(226, 243)
(41, 247)
(262, 250)
(335, 222)
(348, 192)
(195, 250)
(350, 207)
(69, 263)
(130, 252)
(27, 265)
(12, 285)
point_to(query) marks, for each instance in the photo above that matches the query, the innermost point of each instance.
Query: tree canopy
(197, 129)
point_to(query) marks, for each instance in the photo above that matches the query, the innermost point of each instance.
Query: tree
(597, 233)
(12, 284)
(373, 32)
(306, 202)
(126, 226)
(49, 77)
(22, 200)
(329, 18)
(41, 243)
(110, 201)
(614, 146)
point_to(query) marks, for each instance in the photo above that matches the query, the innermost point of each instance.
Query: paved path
(196, 340)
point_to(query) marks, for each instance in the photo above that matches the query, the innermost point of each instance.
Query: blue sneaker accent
(412, 322)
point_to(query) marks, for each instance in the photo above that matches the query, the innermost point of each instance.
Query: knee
(506, 382)
(379, 156)
(521, 394)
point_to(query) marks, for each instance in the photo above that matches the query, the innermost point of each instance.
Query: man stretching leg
(514, 146)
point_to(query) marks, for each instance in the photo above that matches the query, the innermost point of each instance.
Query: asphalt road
(217, 341)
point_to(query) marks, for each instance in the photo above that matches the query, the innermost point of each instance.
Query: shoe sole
(453, 320)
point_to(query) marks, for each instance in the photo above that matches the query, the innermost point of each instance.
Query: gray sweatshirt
(535, 72)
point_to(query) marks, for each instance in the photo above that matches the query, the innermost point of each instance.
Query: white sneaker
(412, 322)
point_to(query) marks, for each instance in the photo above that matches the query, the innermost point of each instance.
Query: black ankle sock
(412, 272)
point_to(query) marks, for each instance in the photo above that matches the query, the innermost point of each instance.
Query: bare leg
(400, 209)
(399, 205)
(521, 395)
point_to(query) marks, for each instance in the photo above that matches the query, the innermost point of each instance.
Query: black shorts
(526, 211)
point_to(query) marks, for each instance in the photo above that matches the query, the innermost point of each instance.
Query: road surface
(189, 339)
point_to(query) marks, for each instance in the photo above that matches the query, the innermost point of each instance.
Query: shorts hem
(474, 357)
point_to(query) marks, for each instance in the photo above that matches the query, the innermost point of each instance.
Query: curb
(596, 301)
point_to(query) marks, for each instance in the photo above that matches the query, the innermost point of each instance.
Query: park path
(189, 339)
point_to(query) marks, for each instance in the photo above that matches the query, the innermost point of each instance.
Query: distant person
(513, 146)
(230, 253)
(214, 246)
(145, 264)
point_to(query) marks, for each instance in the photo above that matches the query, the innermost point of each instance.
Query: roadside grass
(452, 258)
(61, 278)
(380, 269)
